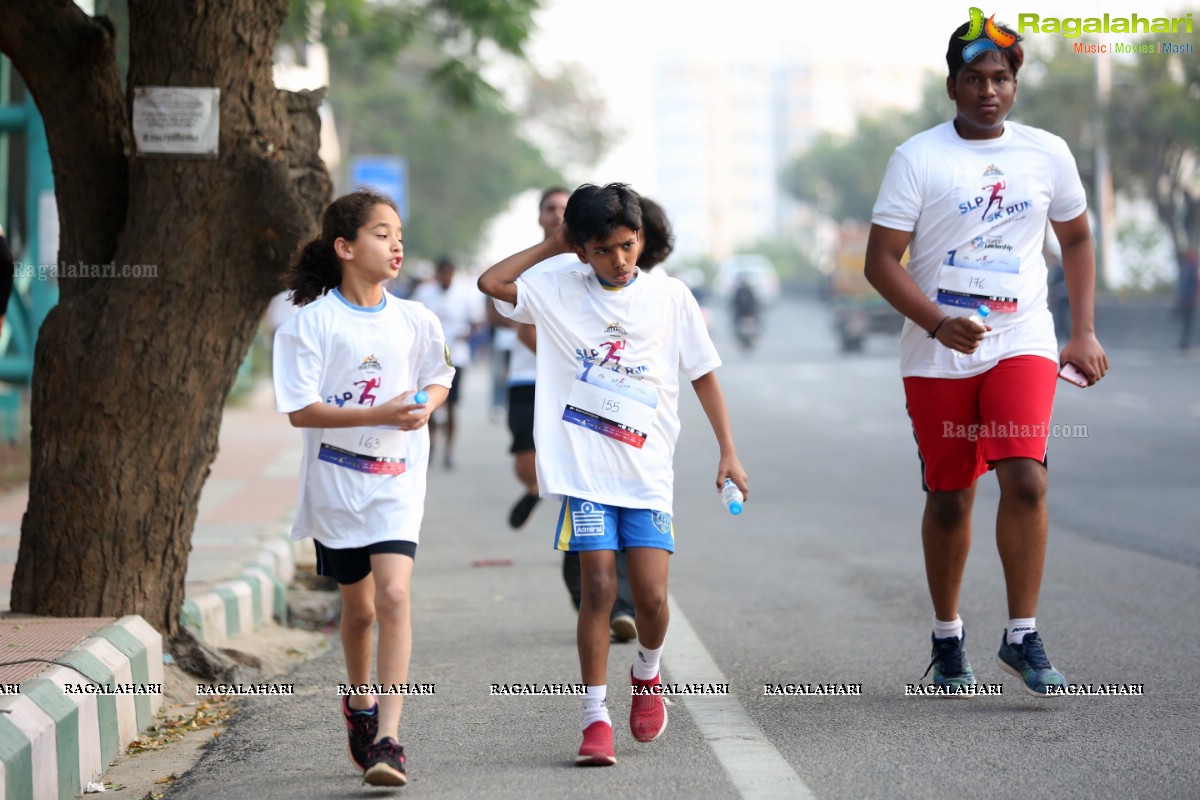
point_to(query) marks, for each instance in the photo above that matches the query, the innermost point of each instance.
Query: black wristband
(938, 327)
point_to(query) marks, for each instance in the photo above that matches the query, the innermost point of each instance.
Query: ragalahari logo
(995, 41)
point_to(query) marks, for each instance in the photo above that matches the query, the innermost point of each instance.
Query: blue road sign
(387, 174)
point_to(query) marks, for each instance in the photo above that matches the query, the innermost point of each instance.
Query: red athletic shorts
(964, 425)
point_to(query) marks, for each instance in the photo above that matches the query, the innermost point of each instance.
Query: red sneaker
(648, 712)
(597, 747)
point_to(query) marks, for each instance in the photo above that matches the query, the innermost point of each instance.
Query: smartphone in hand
(1073, 374)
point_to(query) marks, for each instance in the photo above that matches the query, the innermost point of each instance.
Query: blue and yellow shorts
(588, 525)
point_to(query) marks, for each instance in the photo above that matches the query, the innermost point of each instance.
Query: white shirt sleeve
(1070, 199)
(898, 204)
(435, 367)
(297, 362)
(529, 289)
(507, 309)
(475, 305)
(698, 355)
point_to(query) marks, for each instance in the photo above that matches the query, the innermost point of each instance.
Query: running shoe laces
(1035, 652)
(949, 652)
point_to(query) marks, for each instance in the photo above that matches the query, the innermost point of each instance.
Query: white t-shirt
(608, 362)
(279, 310)
(522, 362)
(503, 339)
(459, 308)
(354, 489)
(977, 210)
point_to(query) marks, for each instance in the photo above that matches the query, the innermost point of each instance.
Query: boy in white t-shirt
(611, 342)
(970, 200)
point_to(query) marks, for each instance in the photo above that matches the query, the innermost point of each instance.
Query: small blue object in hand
(732, 497)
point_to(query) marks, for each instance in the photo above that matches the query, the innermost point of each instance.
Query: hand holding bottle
(978, 325)
(732, 497)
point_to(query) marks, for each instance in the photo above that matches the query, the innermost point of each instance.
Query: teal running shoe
(1028, 662)
(951, 669)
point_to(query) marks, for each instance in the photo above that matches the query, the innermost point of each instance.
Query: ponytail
(316, 267)
(315, 270)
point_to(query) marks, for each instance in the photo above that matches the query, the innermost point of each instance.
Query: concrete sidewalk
(54, 740)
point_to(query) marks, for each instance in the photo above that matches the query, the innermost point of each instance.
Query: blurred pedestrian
(961, 377)
(522, 366)
(501, 340)
(363, 471)
(1189, 288)
(1058, 298)
(459, 306)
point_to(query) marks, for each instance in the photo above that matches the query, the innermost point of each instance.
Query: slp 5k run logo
(996, 39)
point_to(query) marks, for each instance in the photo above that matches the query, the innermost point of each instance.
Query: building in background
(305, 67)
(724, 132)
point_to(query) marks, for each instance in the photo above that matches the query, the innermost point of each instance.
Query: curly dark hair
(656, 234)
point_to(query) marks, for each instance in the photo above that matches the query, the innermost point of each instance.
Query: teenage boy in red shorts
(970, 199)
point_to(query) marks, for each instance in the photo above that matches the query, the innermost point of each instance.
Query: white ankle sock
(595, 709)
(645, 665)
(944, 630)
(1018, 627)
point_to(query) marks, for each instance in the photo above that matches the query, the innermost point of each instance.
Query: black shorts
(352, 564)
(452, 398)
(520, 418)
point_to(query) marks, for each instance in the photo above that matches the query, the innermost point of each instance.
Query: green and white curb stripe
(277, 556)
(52, 742)
(27, 747)
(270, 595)
(246, 603)
(86, 722)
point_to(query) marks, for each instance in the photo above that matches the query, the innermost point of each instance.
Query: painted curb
(249, 601)
(55, 739)
(58, 731)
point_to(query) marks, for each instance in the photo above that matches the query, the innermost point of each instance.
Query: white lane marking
(753, 764)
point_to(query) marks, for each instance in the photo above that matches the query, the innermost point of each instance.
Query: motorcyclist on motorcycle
(746, 312)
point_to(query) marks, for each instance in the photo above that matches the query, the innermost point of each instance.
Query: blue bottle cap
(984, 311)
(735, 508)
(420, 397)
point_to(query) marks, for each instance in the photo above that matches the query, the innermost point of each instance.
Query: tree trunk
(131, 374)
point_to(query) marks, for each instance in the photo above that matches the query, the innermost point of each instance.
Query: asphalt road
(819, 581)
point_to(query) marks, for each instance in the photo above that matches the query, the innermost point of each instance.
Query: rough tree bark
(131, 375)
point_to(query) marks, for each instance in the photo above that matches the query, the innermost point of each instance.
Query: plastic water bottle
(979, 318)
(732, 497)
